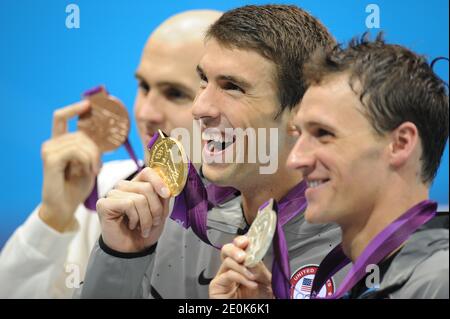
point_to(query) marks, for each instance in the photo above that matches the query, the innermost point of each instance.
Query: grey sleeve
(430, 280)
(109, 276)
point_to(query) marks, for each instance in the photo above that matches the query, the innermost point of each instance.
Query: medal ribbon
(388, 240)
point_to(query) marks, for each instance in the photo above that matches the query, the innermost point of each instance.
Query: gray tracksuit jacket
(182, 265)
(419, 271)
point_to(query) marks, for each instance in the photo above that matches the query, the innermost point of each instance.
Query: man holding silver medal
(47, 256)
(250, 78)
(372, 127)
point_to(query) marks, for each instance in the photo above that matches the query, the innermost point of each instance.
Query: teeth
(213, 134)
(315, 183)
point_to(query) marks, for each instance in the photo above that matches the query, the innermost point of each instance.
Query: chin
(314, 215)
(218, 175)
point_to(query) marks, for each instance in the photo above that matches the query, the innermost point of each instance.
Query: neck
(276, 186)
(357, 234)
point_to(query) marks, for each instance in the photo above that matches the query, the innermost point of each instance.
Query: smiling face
(340, 155)
(237, 90)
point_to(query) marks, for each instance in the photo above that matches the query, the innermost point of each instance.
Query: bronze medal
(168, 158)
(107, 122)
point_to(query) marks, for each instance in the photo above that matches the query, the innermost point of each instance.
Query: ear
(404, 141)
(291, 128)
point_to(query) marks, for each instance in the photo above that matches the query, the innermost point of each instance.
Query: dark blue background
(44, 65)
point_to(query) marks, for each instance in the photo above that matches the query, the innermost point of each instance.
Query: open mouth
(217, 142)
(217, 146)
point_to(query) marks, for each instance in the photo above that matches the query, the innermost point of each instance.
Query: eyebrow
(177, 85)
(320, 124)
(231, 78)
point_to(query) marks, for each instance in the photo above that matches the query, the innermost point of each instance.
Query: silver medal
(260, 235)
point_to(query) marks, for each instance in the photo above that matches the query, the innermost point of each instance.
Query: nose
(205, 106)
(302, 156)
(149, 109)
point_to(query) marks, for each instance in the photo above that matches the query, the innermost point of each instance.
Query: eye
(323, 133)
(177, 95)
(230, 86)
(144, 87)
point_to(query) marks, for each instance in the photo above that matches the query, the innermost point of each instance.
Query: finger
(78, 141)
(79, 138)
(145, 189)
(261, 273)
(229, 263)
(230, 250)
(241, 241)
(232, 277)
(92, 149)
(62, 115)
(151, 176)
(142, 209)
(69, 155)
(118, 203)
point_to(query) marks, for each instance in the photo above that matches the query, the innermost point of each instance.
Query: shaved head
(189, 25)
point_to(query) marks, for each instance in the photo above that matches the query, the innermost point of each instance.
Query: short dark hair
(395, 86)
(283, 34)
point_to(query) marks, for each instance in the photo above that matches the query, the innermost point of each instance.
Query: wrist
(128, 255)
(56, 219)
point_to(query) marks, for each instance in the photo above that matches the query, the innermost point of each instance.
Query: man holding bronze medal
(47, 256)
(372, 127)
(250, 78)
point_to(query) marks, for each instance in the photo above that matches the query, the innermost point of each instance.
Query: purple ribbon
(289, 207)
(191, 210)
(388, 240)
(91, 201)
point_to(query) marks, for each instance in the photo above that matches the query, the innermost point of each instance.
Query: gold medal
(168, 158)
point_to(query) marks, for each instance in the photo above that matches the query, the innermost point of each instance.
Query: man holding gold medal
(250, 78)
(47, 256)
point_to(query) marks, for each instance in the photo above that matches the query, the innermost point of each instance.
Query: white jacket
(39, 262)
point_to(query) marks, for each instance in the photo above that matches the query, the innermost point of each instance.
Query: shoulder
(427, 256)
(430, 278)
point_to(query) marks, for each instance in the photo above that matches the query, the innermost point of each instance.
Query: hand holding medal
(242, 274)
(133, 214)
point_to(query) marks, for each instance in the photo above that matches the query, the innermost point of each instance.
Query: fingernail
(156, 221)
(146, 233)
(241, 255)
(165, 192)
(240, 240)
